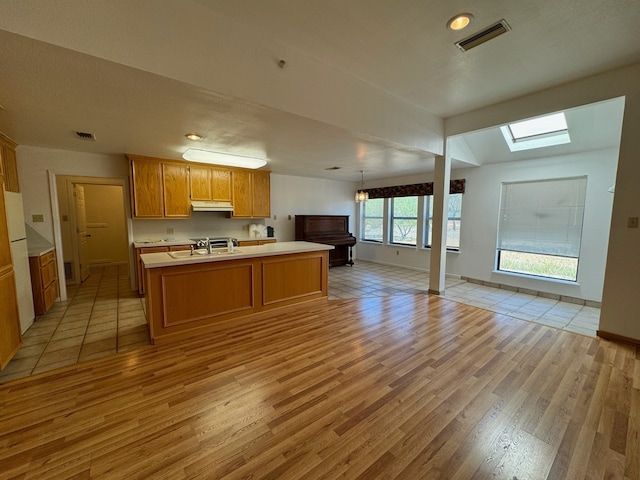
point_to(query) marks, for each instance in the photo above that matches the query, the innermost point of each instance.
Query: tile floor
(99, 318)
(371, 279)
(103, 316)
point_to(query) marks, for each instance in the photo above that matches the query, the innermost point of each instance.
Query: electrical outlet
(289, 217)
(37, 218)
(169, 231)
(275, 217)
(397, 252)
(632, 222)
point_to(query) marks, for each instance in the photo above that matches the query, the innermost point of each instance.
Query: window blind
(543, 217)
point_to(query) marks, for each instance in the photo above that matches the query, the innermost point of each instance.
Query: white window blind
(543, 217)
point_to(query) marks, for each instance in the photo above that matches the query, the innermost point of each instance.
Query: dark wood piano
(331, 230)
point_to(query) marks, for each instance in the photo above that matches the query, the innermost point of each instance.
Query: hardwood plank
(396, 388)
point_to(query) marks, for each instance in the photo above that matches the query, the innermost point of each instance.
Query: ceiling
(401, 50)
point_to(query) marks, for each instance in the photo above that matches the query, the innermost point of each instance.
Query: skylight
(536, 132)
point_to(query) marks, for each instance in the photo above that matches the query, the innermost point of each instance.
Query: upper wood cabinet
(159, 189)
(210, 183)
(176, 190)
(8, 164)
(164, 188)
(251, 194)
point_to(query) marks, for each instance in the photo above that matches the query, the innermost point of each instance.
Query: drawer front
(47, 258)
(48, 273)
(50, 295)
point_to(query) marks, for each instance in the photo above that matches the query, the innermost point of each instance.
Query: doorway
(93, 224)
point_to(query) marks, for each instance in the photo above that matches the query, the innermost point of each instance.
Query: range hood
(206, 206)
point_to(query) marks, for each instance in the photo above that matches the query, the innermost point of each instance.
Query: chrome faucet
(208, 245)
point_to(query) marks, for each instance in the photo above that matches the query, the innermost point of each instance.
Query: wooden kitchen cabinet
(44, 281)
(247, 243)
(210, 184)
(146, 188)
(158, 249)
(175, 187)
(159, 189)
(251, 194)
(10, 336)
(9, 164)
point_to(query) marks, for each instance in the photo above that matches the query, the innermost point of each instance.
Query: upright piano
(330, 230)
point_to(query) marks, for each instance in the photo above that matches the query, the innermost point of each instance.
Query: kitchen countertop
(155, 260)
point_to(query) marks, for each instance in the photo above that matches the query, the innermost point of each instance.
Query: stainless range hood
(206, 206)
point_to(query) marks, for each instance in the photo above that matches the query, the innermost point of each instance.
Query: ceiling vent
(483, 36)
(85, 136)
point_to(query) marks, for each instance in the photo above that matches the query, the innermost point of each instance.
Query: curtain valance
(416, 189)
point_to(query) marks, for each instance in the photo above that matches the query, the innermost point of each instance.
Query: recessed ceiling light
(460, 21)
(194, 136)
(220, 158)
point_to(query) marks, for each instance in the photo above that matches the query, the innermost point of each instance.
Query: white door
(81, 231)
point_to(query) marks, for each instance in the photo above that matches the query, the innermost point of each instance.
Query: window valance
(455, 186)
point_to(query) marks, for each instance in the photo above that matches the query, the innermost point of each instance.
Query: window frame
(511, 215)
(392, 217)
(364, 218)
(428, 216)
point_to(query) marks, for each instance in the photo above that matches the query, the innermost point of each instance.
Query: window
(536, 132)
(540, 227)
(453, 222)
(404, 220)
(372, 218)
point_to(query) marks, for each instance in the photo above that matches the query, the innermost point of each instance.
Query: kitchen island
(191, 294)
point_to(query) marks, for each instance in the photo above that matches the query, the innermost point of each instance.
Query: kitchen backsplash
(201, 224)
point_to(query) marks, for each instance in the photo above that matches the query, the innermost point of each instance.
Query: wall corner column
(438, 261)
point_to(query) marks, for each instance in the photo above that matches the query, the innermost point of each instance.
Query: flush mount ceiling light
(194, 136)
(460, 21)
(361, 195)
(219, 158)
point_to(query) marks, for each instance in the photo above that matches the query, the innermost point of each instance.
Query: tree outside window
(404, 220)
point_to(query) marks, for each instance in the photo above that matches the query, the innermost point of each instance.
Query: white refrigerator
(20, 256)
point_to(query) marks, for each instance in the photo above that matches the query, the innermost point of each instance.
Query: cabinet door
(201, 181)
(10, 168)
(10, 337)
(5, 245)
(176, 190)
(146, 188)
(221, 185)
(140, 267)
(261, 194)
(242, 194)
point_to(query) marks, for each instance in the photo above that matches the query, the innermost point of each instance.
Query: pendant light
(361, 195)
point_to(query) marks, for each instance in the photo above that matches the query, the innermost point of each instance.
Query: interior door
(81, 231)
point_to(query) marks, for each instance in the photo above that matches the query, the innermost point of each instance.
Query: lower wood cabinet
(44, 281)
(248, 243)
(159, 249)
(10, 337)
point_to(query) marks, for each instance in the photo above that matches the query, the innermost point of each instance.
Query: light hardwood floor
(402, 387)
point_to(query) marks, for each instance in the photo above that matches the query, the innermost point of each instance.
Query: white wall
(479, 223)
(619, 314)
(289, 196)
(34, 163)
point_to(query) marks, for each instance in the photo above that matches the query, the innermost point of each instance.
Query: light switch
(37, 218)
(632, 222)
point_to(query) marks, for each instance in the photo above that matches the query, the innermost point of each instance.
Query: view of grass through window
(550, 266)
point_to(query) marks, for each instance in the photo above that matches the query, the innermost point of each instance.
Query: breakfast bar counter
(189, 294)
